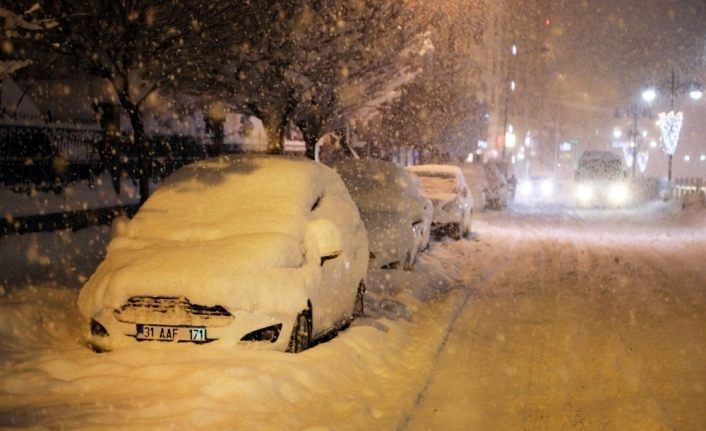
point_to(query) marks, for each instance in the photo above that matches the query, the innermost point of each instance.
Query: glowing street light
(510, 138)
(649, 95)
(670, 123)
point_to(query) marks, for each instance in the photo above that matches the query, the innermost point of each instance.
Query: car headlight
(525, 188)
(97, 329)
(547, 187)
(618, 193)
(584, 192)
(270, 333)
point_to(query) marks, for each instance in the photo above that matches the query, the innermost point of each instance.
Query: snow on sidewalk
(368, 377)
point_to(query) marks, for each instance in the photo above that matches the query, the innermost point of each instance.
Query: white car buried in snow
(242, 250)
(453, 204)
(396, 213)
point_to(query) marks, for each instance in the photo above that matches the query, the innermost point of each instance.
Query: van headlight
(619, 193)
(584, 192)
(525, 188)
(547, 187)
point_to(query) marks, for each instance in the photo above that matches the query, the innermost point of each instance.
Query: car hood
(226, 272)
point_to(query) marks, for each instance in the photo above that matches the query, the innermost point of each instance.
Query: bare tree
(141, 47)
(441, 111)
(18, 27)
(315, 63)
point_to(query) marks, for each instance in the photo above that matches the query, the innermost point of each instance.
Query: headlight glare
(525, 188)
(584, 192)
(619, 193)
(547, 187)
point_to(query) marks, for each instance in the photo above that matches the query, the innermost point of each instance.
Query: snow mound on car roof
(379, 186)
(232, 195)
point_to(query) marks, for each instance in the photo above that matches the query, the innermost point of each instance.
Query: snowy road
(598, 323)
(551, 319)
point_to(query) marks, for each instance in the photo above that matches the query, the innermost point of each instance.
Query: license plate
(171, 333)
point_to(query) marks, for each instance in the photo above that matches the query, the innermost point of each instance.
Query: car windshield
(438, 183)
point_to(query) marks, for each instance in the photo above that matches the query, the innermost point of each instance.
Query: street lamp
(670, 123)
(649, 95)
(635, 110)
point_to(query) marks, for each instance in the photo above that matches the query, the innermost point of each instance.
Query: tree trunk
(275, 135)
(144, 156)
(311, 134)
(310, 141)
(217, 128)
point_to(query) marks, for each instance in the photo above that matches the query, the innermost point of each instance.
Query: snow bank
(368, 377)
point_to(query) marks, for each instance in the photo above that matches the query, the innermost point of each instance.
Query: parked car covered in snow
(261, 251)
(453, 204)
(394, 210)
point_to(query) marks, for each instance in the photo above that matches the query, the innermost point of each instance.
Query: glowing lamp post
(670, 123)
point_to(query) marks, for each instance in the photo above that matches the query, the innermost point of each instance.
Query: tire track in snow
(485, 278)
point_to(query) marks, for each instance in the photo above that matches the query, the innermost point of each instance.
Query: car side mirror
(119, 227)
(324, 239)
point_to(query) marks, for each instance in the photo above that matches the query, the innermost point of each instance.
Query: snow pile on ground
(367, 377)
(694, 200)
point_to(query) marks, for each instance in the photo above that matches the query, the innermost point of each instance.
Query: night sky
(607, 51)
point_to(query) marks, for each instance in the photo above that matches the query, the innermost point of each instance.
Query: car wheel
(456, 231)
(358, 306)
(301, 333)
(467, 228)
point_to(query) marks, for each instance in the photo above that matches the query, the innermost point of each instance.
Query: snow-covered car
(260, 251)
(394, 210)
(453, 204)
(427, 217)
(495, 193)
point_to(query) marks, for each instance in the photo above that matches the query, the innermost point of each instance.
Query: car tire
(467, 228)
(359, 305)
(456, 231)
(301, 333)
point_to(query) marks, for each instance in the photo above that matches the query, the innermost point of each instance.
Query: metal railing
(686, 186)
